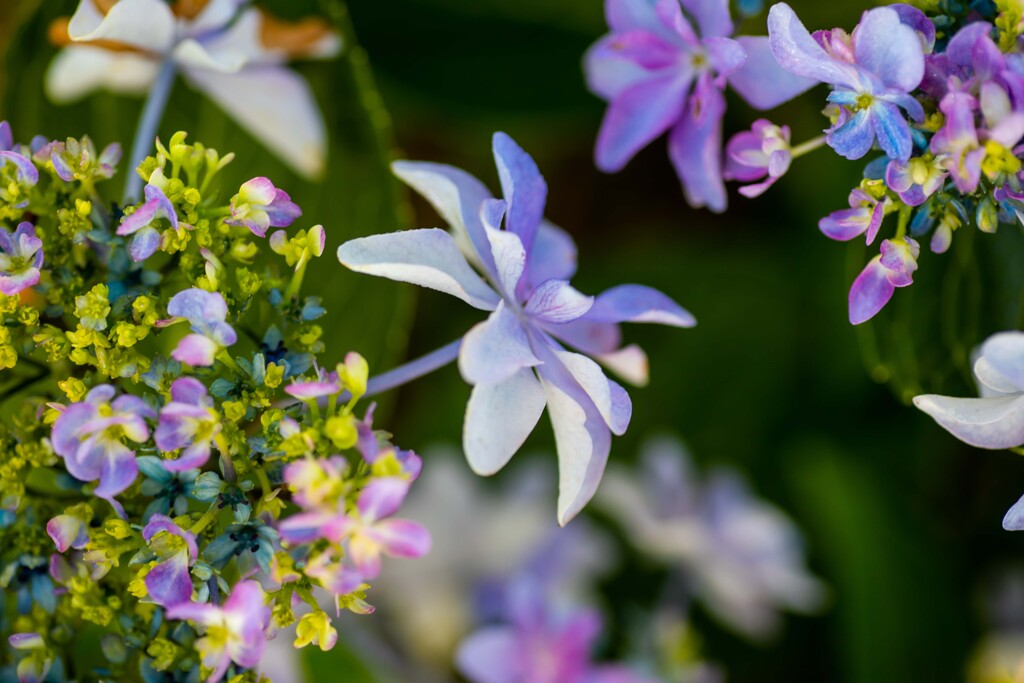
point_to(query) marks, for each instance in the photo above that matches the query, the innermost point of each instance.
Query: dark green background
(901, 520)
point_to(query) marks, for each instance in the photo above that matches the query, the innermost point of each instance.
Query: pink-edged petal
(611, 400)
(169, 582)
(196, 350)
(798, 53)
(761, 81)
(276, 106)
(428, 258)
(402, 538)
(382, 497)
(68, 531)
(499, 418)
(639, 304)
(695, 149)
(492, 655)
(637, 117)
(147, 25)
(995, 423)
(199, 613)
(305, 527)
(1004, 352)
(870, 292)
(557, 302)
(249, 603)
(457, 196)
(846, 224)
(495, 349)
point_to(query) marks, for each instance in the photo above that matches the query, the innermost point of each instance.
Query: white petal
(215, 15)
(276, 106)
(148, 25)
(495, 349)
(79, 69)
(1004, 353)
(428, 258)
(583, 442)
(457, 196)
(983, 422)
(630, 363)
(226, 52)
(509, 258)
(499, 417)
(611, 400)
(991, 382)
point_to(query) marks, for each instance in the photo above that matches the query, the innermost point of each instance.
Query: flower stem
(152, 113)
(808, 146)
(414, 369)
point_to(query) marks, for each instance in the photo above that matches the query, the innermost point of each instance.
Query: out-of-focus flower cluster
(180, 475)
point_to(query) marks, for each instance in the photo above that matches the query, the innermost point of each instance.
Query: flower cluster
(933, 101)
(170, 485)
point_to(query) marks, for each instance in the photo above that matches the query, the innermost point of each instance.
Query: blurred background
(900, 520)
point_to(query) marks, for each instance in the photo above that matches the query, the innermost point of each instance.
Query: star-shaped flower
(517, 360)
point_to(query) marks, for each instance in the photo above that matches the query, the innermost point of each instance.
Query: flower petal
(428, 257)
(169, 582)
(553, 257)
(695, 148)
(995, 423)
(798, 53)
(277, 107)
(147, 25)
(611, 400)
(761, 81)
(854, 137)
(499, 418)
(639, 304)
(638, 116)
(458, 197)
(78, 70)
(889, 49)
(1004, 352)
(495, 349)
(523, 187)
(196, 350)
(382, 497)
(119, 471)
(1014, 518)
(870, 292)
(402, 538)
(712, 17)
(557, 302)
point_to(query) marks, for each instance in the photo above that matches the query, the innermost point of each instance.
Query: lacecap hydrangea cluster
(182, 478)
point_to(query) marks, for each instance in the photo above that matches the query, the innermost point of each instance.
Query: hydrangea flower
(916, 179)
(21, 257)
(146, 238)
(11, 153)
(516, 360)
(864, 217)
(75, 159)
(893, 267)
(260, 206)
(206, 312)
(233, 53)
(996, 419)
(872, 72)
(169, 582)
(660, 73)
(71, 529)
(762, 153)
(91, 436)
(742, 557)
(188, 423)
(235, 632)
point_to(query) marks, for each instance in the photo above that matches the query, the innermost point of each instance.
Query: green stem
(808, 146)
(205, 520)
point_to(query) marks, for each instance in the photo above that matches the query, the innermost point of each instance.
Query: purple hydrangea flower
(260, 206)
(188, 423)
(893, 268)
(169, 582)
(996, 419)
(326, 384)
(10, 153)
(370, 530)
(762, 153)
(872, 73)
(864, 216)
(90, 436)
(917, 179)
(21, 257)
(207, 313)
(146, 238)
(516, 360)
(235, 631)
(659, 73)
(68, 531)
